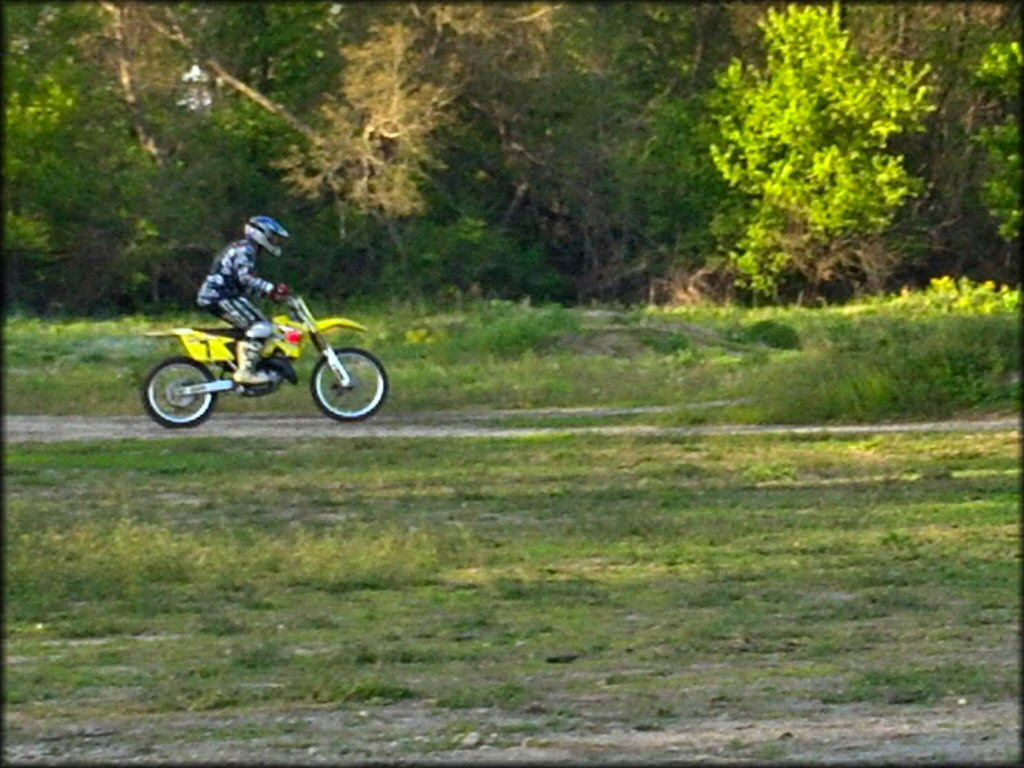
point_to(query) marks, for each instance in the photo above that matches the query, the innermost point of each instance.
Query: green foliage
(772, 333)
(807, 139)
(70, 165)
(949, 294)
(557, 152)
(883, 367)
(503, 329)
(25, 233)
(465, 255)
(1000, 72)
(671, 186)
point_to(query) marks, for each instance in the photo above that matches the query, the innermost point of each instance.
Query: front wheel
(164, 401)
(366, 390)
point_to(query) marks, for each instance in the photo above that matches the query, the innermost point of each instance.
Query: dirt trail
(418, 733)
(445, 424)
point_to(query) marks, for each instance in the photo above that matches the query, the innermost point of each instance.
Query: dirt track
(450, 424)
(416, 733)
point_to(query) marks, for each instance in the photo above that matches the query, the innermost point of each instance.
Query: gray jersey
(232, 275)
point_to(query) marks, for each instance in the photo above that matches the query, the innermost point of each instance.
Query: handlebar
(297, 309)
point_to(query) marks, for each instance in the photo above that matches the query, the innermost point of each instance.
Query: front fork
(333, 361)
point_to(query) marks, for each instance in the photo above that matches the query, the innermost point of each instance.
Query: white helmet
(266, 233)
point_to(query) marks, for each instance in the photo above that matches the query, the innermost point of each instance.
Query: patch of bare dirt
(418, 733)
(604, 342)
(17, 429)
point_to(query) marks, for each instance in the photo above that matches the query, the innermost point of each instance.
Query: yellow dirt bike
(348, 384)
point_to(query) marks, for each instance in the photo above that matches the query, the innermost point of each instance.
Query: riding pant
(243, 314)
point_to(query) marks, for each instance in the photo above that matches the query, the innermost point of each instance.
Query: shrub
(927, 367)
(506, 329)
(948, 294)
(773, 334)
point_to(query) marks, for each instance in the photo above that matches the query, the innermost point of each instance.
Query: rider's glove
(280, 291)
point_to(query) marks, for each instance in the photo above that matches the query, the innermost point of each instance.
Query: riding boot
(248, 357)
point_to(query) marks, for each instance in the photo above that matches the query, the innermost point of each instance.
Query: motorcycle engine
(280, 368)
(258, 390)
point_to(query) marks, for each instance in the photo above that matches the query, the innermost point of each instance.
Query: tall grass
(891, 367)
(952, 349)
(140, 566)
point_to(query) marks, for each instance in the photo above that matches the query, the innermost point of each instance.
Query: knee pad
(260, 331)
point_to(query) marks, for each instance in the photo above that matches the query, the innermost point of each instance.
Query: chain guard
(257, 390)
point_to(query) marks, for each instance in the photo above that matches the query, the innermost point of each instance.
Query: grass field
(526, 589)
(637, 580)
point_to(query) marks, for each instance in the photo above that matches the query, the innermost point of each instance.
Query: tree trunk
(126, 80)
(173, 33)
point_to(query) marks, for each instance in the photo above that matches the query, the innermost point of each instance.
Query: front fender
(339, 322)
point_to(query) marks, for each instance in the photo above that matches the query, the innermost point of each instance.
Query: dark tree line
(569, 152)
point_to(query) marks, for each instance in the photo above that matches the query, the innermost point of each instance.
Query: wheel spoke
(364, 393)
(163, 398)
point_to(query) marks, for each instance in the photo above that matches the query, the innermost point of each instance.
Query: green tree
(1000, 72)
(381, 136)
(947, 229)
(807, 139)
(600, 155)
(121, 174)
(560, 151)
(71, 165)
(232, 93)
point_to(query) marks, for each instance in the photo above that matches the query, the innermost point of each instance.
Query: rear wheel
(164, 401)
(365, 393)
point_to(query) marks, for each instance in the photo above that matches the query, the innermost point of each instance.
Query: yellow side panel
(207, 348)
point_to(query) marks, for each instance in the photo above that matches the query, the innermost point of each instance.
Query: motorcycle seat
(225, 330)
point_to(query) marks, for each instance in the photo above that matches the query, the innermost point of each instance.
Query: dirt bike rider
(231, 277)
